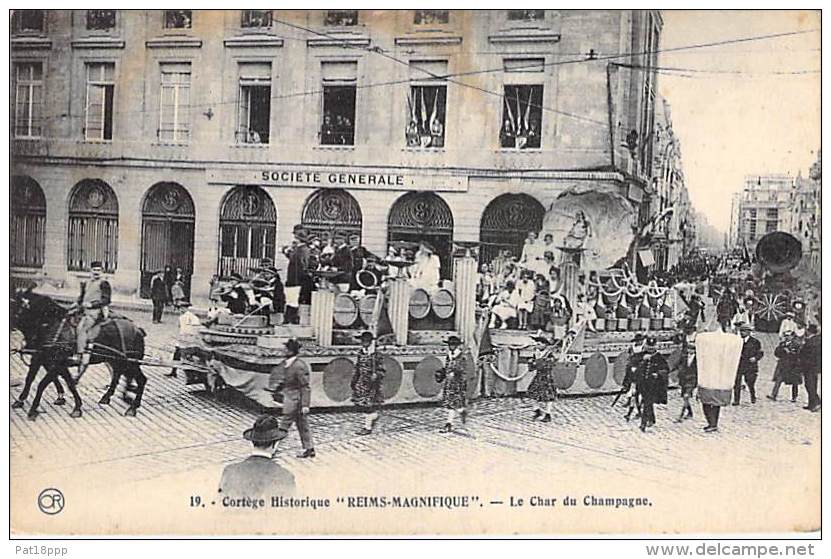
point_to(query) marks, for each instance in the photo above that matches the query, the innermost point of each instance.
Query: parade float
(415, 320)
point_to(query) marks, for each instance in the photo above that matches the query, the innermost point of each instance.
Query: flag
(382, 325)
(423, 110)
(518, 110)
(434, 117)
(510, 114)
(485, 343)
(410, 106)
(526, 120)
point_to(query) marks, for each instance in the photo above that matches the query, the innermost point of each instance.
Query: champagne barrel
(779, 252)
(443, 303)
(346, 310)
(366, 306)
(419, 303)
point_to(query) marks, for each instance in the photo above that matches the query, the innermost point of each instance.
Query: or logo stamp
(51, 501)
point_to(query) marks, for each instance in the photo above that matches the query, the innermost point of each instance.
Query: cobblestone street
(765, 455)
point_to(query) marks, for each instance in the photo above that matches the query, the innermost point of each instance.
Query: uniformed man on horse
(94, 302)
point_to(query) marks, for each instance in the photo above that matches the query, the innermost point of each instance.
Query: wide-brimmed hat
(96, 266)
(744, 326)
(453, 340)
(292, 345)
(638, 338)
(266, 429)
(366, 335)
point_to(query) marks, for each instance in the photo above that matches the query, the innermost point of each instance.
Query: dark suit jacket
(293, 383)
(810, 356)
(298, 270)
(751, 348)
(256, 477)
(158, 290)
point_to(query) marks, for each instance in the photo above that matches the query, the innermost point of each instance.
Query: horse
(51, 330)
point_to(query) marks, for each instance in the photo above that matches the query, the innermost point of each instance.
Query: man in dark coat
(687, 370)
(358, 256)
(630, 379)
(158, 294)
(748, 369)
(810, 357)
(726, 308)
(258, 477)
(169, 280)
(289, 381)
(653, 374)
(297, 276)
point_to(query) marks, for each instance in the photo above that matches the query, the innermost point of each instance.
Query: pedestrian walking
(158, 294)
(169, 279)
(718, 355)
(748, 370)
(630, 378)
(653, 375)
(258, 476)
(453, 378)
(687, 371)
(788, 367)
(542, 389)
(367, 394)
(810, 359)
(289, 381)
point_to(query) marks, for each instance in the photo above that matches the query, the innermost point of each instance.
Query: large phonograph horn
(779, 252)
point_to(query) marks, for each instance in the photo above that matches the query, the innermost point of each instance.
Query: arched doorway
(247, 230)
(424, 216)
(506, 222)
(27, 226)
(93, 226)
(167, 224)
(332, 209)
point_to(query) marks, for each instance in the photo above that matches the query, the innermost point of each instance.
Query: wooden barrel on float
(443, 303)
(346, 310)
(419, 304)
(366, 307)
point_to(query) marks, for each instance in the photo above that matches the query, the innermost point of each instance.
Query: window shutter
(346, 71)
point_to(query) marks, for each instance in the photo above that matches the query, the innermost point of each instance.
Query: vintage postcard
(422, 272)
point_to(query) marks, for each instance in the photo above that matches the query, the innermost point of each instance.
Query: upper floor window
(526, 15)
(431, 17)
(521, 117)
(100, 20)
(178, 19)
(254, 123)
(341, 18)
(339, 91)
(99, 106)
(29, 21)
(28, 99)
(427, 104)
(256, 18)
(174, 110)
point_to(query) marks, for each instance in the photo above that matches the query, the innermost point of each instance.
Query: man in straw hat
(367, 394)
(290, 380)
(748, 369)
(258, 476)
(94, 300)
(453, 377)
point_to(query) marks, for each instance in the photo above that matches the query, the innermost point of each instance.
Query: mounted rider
(94, 302)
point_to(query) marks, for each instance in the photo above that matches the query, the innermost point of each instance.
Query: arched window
(506, 222)
(167, 222)
(424, 216)
(332, 209)
(27, 227)
(247, 230)
(93, 226)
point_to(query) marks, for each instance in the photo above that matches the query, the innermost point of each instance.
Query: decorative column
(464, 284)
(322, 315)
(399, 308)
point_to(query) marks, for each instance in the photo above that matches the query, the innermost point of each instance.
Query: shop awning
(647, 259)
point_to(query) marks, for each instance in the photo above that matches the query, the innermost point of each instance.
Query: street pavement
(760, 472)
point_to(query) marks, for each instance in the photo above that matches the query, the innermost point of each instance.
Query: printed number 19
(195, 500)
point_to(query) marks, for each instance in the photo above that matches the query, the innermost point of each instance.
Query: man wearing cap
(358, 256)
(453, 377)
(258, 476)
(95, 302)
(653, 374)
(367, 380)
(290, 381)
(748, 369)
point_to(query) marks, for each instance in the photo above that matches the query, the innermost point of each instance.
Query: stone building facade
(200, 138)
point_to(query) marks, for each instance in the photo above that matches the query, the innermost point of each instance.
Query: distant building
(803, 217)
(762, 208)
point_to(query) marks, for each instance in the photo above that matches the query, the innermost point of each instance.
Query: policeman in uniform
(95, 298)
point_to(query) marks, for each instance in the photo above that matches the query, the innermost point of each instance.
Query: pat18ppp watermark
(44, 550)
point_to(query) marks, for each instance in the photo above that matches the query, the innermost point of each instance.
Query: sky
(749, 123)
